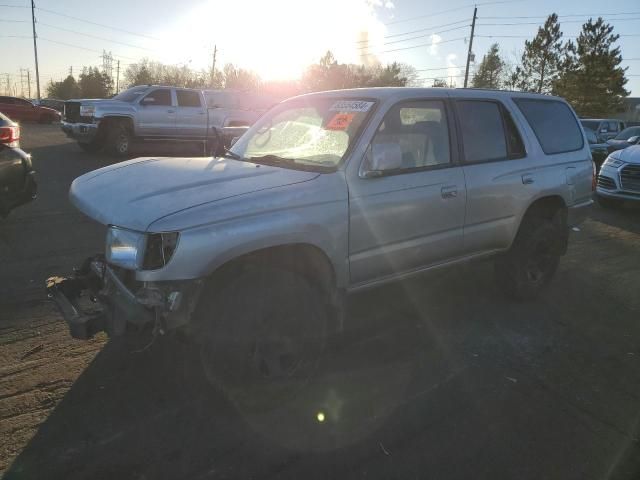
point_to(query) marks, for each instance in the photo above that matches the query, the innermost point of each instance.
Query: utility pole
(35, 44)
(473, 27)
(118, 78)
(29, 81)
(213, 65)
(71, 71)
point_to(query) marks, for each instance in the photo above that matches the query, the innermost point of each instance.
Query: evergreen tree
(489, 72)
(95, 84)
(64, 90)
(593, 80)
(541, 60)
(439, 83)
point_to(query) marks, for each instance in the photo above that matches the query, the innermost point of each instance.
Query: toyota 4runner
(326, 194)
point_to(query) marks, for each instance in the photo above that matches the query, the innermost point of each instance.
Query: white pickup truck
(152, 112)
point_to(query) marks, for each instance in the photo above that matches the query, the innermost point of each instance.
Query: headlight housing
(125, 248)
(612, 162)
(87, 110)
(139, 251)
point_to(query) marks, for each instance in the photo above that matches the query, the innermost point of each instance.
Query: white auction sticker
(351, 106)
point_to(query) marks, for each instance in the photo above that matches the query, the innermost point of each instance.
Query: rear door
(191, 114)
(413, 217)
(157, 114)
(499, 175)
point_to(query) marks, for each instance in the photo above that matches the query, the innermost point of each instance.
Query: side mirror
(633, 140)
(233, 141)
(381, 158)
(147, 101)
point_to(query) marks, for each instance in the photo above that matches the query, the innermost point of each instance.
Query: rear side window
(553, 123)
(187, 98)
(160, 97)
(483, 136)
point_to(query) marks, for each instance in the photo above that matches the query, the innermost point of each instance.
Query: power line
(538, 23)
(419, 30)
(12, 21)
(442, 12)
(416, 46)
(562, 16)
(413, 38)
(82, 48)
(94, 36)
(53, 12)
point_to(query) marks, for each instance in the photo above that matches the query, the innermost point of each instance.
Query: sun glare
(276, 39)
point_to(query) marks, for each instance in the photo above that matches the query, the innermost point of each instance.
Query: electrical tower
(25, 81)
(107, 63)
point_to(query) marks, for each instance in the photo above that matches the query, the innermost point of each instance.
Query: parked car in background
(629, 136)
(326, 194)
(51, 103)
(17, 182)
(157, 113)
(21, 109)
(599, 149)
(605, 128)
(619, 178)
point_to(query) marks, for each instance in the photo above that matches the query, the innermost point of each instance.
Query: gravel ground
(441, 378)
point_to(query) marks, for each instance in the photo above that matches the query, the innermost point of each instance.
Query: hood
(50, 110)
(618, 144)
(136, 193)
(629, 155)
(102, 102)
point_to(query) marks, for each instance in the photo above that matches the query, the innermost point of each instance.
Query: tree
(541, 61)
(64, 90)
(95, 84)
(439, 82)
(489, 72)
(328, 74)
(239, 79)
(593, 80)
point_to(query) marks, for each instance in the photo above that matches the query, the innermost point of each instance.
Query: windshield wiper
(271, 160)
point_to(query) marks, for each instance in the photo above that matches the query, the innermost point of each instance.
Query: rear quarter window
(553, 123)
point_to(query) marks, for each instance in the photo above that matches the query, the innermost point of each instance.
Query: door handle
(449, 191)
(171, 111)
(527, 179)
(200, 113)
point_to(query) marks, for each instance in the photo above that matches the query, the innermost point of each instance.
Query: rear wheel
(264, 335)
(118, 140)
(606, 202)
(531, 262)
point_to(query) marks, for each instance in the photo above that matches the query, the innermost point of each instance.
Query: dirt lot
(442, 378)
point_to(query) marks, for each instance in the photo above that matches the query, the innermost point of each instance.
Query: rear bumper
(96, 299)
(83, 132)
(576, 214)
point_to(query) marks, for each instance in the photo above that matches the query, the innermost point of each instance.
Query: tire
(118, 140)
(606, 202)
(264, 334)
(90, 147)
(531, 262)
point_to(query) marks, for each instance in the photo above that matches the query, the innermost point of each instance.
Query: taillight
(10, 135)
(593, 176)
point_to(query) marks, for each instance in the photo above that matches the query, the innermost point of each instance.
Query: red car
(21, 109)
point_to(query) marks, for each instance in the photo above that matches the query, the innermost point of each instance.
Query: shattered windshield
(315, 132)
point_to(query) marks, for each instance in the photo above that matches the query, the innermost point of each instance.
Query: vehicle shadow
(626, 217)
(438, 375)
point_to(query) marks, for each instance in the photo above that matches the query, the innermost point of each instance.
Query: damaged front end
(100, 297)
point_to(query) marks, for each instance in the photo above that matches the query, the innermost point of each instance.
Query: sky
(279, 38)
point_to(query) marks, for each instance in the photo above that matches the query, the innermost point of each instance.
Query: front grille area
(630, 178)
(606, 182)
(72, 111)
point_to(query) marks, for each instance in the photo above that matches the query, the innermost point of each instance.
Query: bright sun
(277, 38)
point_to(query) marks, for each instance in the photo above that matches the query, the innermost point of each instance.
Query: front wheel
(119, 140)
(264, 335)
(531, 262)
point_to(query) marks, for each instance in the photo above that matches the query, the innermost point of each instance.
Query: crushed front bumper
(96, 298)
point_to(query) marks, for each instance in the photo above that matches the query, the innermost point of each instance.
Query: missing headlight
(160, 248)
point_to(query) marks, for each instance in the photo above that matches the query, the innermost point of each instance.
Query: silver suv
(327, 194)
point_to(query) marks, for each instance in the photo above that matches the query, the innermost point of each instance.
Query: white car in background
(619, 178)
